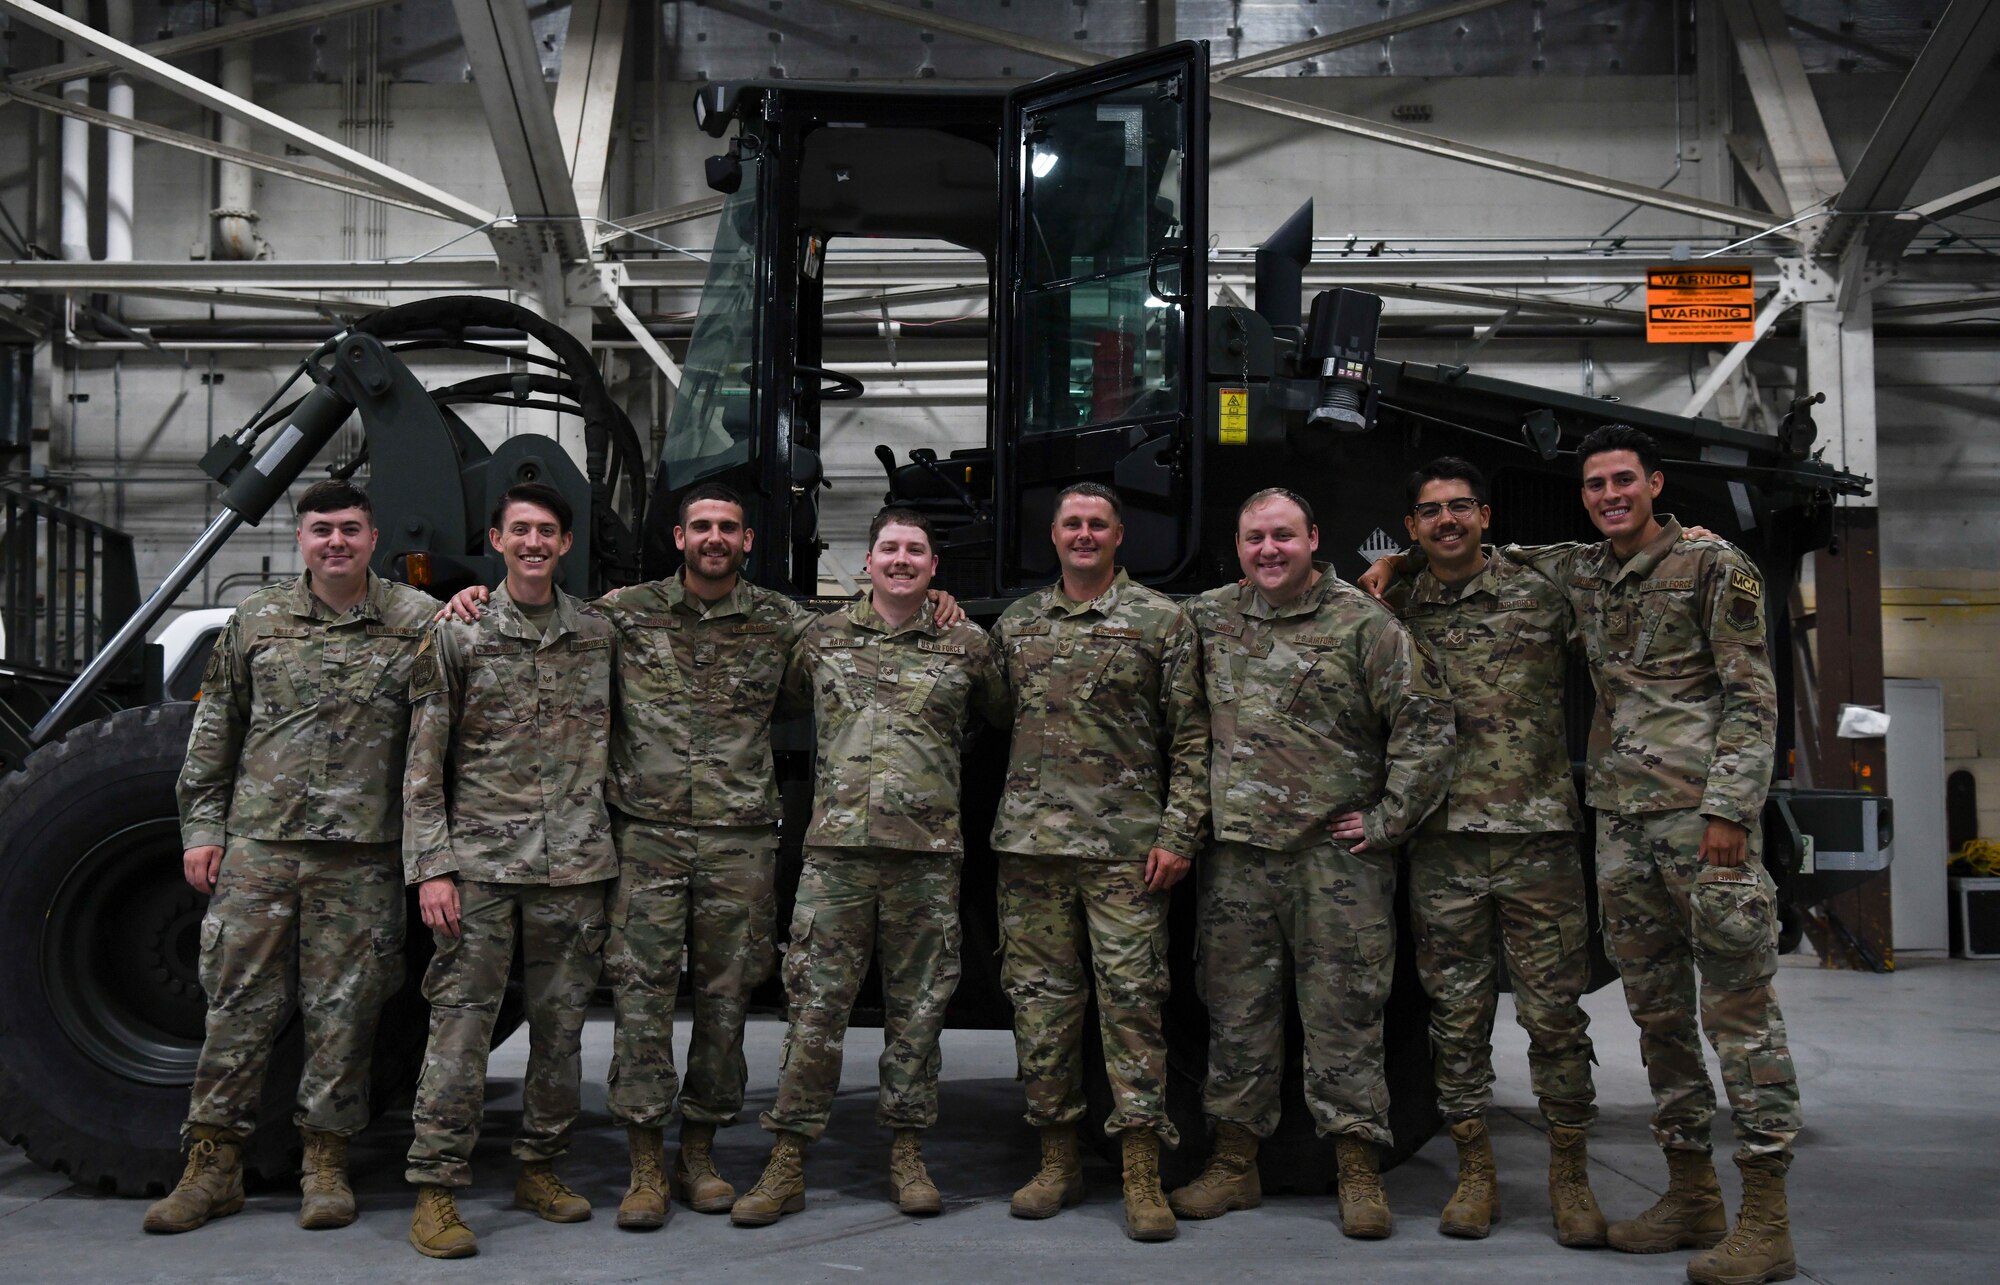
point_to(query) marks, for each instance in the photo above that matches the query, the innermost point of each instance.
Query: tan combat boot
(1058, 1184)
(539, 1190)
(1470, 1212)
(210, 1187)
(1687, 1216)
(327, 1199)
(436, 1230)
(782, 1189)
(1229, 1182)
(909, 1181)
(1147, 1216)
(1760, 1249)
(1579, 1222)
(694, 1178)
(1364, 1210)
(645, 1203)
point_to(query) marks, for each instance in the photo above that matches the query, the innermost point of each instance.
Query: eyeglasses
(1462, 507)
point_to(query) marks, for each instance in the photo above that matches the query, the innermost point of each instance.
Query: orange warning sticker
(1690, 304)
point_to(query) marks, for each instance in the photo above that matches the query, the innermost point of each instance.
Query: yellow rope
(1979, 857)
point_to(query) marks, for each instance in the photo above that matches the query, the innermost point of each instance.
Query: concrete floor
(1894, 1179)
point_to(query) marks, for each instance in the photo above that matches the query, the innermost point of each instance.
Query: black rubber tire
(100, 1004)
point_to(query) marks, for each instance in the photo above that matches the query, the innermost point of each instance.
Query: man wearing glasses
(1496, 869)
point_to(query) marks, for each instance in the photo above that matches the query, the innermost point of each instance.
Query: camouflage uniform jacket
(1502, 639)
(890, 709)
(509, 743)
(1687, 711)
(692, 704)
(1110, 753)
(1317, 707)
(304, 714)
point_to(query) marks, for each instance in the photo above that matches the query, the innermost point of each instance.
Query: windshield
(710, 429)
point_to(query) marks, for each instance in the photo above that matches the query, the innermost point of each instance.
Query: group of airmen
(591, 786)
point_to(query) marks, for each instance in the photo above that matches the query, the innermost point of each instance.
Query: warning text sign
(1688, 304)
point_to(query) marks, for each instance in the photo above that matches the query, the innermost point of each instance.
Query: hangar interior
(197, 194)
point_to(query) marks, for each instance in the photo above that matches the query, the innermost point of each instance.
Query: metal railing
(66, 585)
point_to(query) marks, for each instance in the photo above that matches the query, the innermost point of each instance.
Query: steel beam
(176, 81)
(507, 67)
(270, 24)
(1755, 162)
(587, 94)
(1808, 168)
(684, 213)
(1958, 52)
(1951, 203)
(1347, 38)
(220, 151)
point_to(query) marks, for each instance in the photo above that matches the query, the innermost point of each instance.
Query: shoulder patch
(426, 677)
(1744, 582)
(212, 672)
(1742, 611)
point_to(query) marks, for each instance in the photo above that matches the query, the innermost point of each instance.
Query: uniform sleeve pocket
(209, 967)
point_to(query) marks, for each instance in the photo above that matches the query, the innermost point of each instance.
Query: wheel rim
(119, 953)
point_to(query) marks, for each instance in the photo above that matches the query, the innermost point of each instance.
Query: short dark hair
(1095, 491)
(899, 516)
(539, 494)
(331, 494)
(1618, 437)
(1276, 493)
(1447, 468)
(710, 491)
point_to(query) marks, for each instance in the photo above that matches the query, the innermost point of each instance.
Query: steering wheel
(835, 386)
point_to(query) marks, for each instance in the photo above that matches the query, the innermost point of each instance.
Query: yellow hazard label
(1233, 416)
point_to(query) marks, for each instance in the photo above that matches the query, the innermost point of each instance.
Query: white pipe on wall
(235, 211)
(75, 226)
(118, 184)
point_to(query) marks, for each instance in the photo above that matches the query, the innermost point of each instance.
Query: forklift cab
(1096, 250)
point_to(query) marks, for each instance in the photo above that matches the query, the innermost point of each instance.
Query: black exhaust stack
(1281, 270)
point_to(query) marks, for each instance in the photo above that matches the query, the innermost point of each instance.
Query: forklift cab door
(1101, 305)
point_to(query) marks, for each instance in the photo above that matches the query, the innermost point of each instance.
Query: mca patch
(1742, 612)
(1744, 582)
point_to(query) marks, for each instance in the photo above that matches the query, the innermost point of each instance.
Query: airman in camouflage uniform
(891, 693)
(1681, 750)
(507, 836)
(1104, 805)
(1497, 868)
(1332, 736)
(290, 816)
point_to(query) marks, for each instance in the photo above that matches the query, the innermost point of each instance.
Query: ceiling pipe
(235, 212)
(119, 188)
(75, 218)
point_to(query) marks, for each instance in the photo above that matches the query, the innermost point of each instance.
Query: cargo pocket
(758, 946)
(590, 937)
(796, 961)
(1572, 931)
(388, 942)
(1734, 927)
(1374, 942)
(209, 968)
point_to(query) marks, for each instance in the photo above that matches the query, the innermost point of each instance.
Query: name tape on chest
(589, 644)
(1108, 631)
(285, 631)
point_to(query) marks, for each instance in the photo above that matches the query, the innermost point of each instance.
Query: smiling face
(715, 540)
(900, 565)
(1619, 495)
(1275, 546)
(337, 545)
(1087, 534)
(531, 541)
(1448, 523)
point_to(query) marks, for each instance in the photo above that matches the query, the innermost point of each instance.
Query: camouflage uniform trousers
(1669, 916)
(561, 933)
(1066, 925)
(705, 889)
(1321, 919)
(848, 900)
(1472, 897)
(314, 920)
